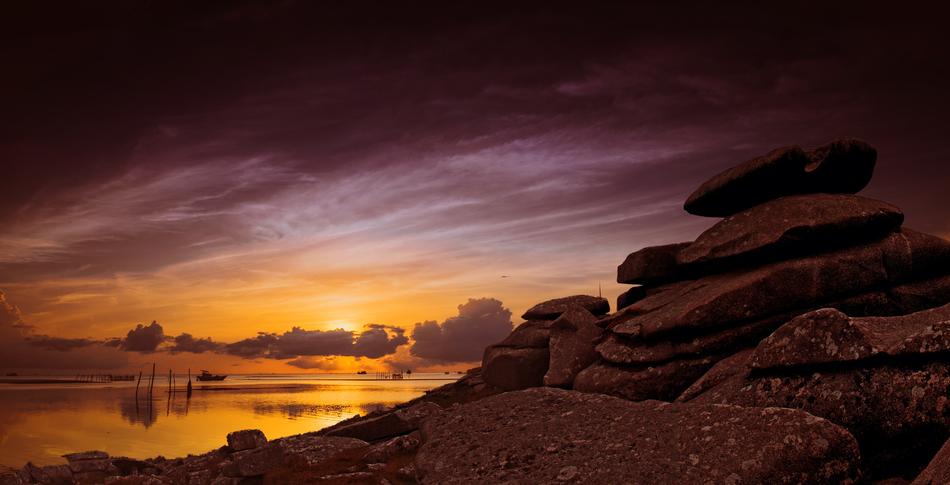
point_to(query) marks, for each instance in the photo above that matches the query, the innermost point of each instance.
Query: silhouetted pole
(151, 382)
(137, 386)
(189, 383)
(169, 382)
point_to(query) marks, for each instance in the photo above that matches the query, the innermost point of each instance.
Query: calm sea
(41, 422)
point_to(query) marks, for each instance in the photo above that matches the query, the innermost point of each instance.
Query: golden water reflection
(41, 424)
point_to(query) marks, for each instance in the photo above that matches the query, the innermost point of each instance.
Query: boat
(207, 376)
(361, 372)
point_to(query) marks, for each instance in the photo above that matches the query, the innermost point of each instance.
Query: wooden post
(189, 384)
(169, 382)
(137, 386)
(151, 382)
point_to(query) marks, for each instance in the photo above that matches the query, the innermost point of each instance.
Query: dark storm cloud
(144, 338)
(480, 323)
(373, 342)
(549, 142)
(187, 343)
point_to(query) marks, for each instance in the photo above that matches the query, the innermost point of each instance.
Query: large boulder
(651, 265)
(573, 336)
(548, 435)
(828, 335)
(777, 288)
(791, 226)
(551, 309)
(842, 166)
(640, 383)
(898, 413)
(512, 368)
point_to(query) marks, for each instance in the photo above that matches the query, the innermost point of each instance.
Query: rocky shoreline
(803, 338)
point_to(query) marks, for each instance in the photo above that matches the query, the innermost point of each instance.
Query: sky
(330, 186)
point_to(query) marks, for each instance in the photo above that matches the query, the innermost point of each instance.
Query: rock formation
(803, 338)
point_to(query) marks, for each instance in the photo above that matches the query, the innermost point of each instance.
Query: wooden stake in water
(137, 386)
(189, 384)
(151, 382)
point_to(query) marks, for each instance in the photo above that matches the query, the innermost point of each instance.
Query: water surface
(41, 422)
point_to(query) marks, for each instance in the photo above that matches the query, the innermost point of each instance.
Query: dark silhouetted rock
(549, 435)
(315, 448)
(842, 166)
(254, 462)
(938, 471)
(631, 296)
(663, 381)
(511, 368)
(387, 450)
(651, 265)
(828, 335)
(389, 424)
(533, 333)
(792, 226)
(246, 439)
(778, 288)
(899, 414)
(552, 309)
(919, 295)
(50, 474)
(735, 365)
(573, 336)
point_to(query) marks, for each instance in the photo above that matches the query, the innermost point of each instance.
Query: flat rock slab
(550, 435)
(663, 381)
(573, 336)
(631, 296)
(899, 415)
(828, 335)
(621, 350)
(389, 424)
(533, 333)
(842, 166)
(791, 226)
(651, 265)
(551, 309)
(511, 368)
(744, 296)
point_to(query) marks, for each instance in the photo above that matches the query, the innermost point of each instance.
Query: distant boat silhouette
(361, 372)
(207, 376)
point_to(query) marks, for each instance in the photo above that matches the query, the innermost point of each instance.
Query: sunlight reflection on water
(39, 423)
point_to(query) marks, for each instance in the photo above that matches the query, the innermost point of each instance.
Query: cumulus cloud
(187, 343)
(144, 338)
(463, 338)
(320, 363)
(373, 342)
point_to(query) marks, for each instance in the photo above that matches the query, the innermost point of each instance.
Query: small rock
(86, 455)
(567, 473)
(246, 439)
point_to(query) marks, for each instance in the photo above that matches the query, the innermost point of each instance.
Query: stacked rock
(793, 239)
(526, 358)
